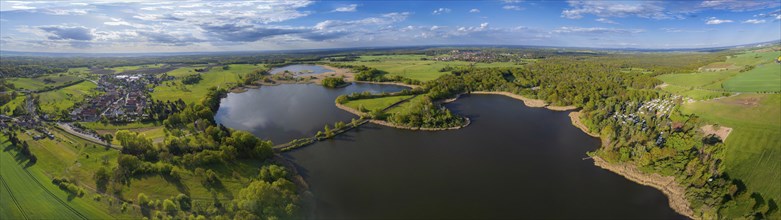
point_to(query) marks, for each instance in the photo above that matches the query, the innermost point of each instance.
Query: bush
(333, 82)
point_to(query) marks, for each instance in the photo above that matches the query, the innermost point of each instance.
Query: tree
(328, 132)
(142, 200)
(102, 177)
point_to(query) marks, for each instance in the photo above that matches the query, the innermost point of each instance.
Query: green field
(29, 193)
(39, 83)
(376, 103)
(18, 101)
(766, 76)
(763, 78)
(54, 102)
(216, 77)
(753, 144)
(123, 126)
(403, 107)
(120, 69)
(411, 66)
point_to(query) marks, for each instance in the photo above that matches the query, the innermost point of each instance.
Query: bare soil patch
(722, 132)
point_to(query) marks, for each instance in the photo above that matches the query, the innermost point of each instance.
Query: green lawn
(411, 66)
(53, 102)
(39, 83)
(763, 78)
(376, 103)
(753, 153)
(696, 80)
(216, 77)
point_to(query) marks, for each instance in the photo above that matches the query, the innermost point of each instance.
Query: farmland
(34, 196)
(43, 82)
(756, 120)
(216, 77)
(53, 102)
(413, 67)
(763, 78)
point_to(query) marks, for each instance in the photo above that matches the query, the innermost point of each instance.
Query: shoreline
(666, 184)
(676, 194)
(574, 117)
(529, 102)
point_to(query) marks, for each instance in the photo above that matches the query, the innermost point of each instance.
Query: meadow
(376, 103)
(753, 143)
(18, 101)
(40, 83)
(404, 107)
(121, 69)
(215, 77)
(764, 77)
(413, 67)
(34, 195)
(53, 102)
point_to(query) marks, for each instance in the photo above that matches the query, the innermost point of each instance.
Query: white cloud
(441, 11)
(740, 5)
(474, 10)
(714, 20)
(512, 7)
(348, 8)
(754, 21)
(596, 30)
(643, 9)
(606, 21)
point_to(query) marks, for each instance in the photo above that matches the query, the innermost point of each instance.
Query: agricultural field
(43, 82)
(216, 77)
(29, 193)
(763, 78)
(411, 66)
(54, 102)
(121, 69)
(376, 103)
(156, 134)
(753, 143)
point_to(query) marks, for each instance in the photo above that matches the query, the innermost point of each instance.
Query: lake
(301, 69)
(511, 162)
(285, 112)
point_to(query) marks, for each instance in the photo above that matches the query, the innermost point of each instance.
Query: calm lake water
(301, 69)
(285, 112)
(511, 162)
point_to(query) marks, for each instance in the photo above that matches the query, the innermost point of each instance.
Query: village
(123, 98)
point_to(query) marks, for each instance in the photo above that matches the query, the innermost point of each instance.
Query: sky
(198, 26)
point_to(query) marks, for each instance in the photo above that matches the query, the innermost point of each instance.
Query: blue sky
(180, 26)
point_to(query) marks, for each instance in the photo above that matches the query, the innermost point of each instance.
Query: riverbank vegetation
(333, 82)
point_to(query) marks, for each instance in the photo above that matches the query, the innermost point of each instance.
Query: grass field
(753, 154)
(18, 101)
(110, 126)
(411, 66)
(53, 102)
(216, 77)
(376, 103)
(120, 69)
(766, 76)
(39, 83)
(763, 78)
(403, 107)
(28, 192)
